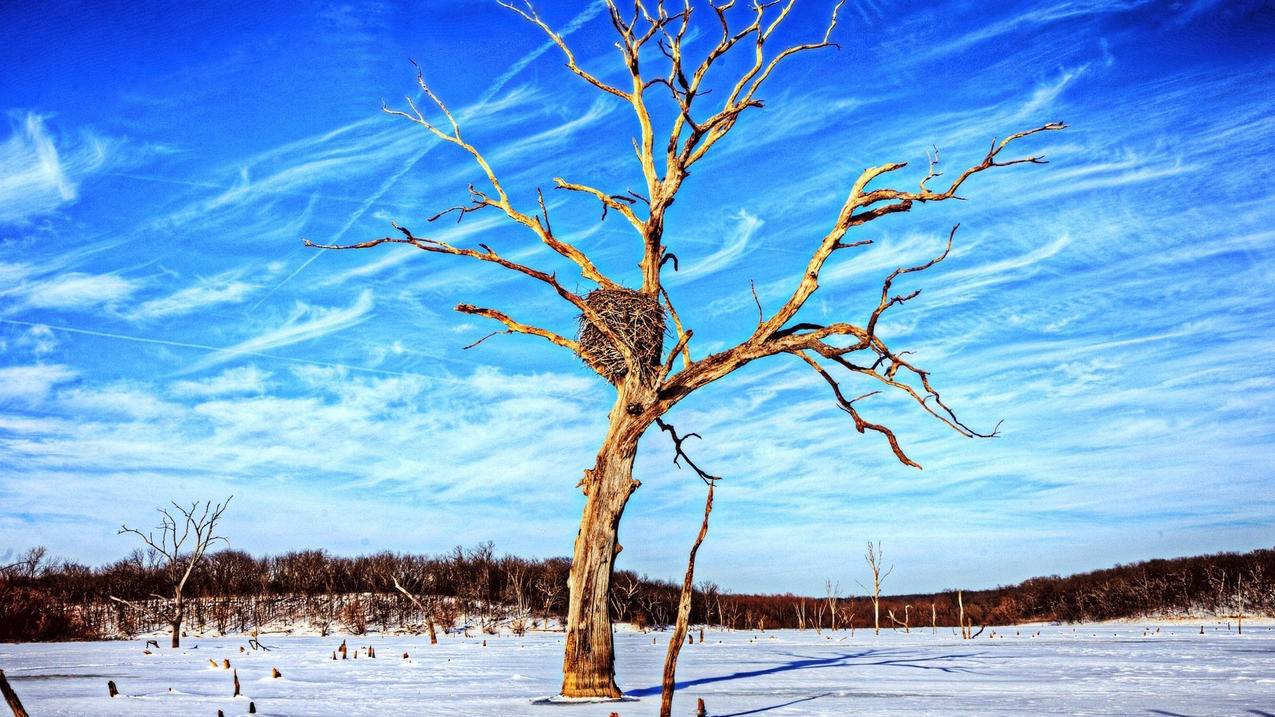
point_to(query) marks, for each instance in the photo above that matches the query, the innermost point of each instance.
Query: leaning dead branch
(680, 626)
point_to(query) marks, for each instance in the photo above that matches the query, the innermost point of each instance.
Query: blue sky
(165, 335)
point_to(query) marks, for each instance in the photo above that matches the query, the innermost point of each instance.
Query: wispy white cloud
(203, 294)
(306, 322)
(33, 382)
(78, 290)
(731, 251)
(40, 340)
(1034, 18)
(42, 170)
(238, 380)
(34, 181)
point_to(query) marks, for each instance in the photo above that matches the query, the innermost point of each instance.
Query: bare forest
(475, 591)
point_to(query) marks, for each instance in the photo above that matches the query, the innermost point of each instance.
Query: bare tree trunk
(179, 611)
(683, 616)
(588, 664)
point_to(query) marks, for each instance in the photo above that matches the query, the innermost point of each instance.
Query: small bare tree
(28, 565)
(830, 596)
(623, 593)
(178, 543)
(874, 558)
(799, 608)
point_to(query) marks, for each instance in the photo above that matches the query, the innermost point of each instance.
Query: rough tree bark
(179, 614)
(653, 33)
(589, 658)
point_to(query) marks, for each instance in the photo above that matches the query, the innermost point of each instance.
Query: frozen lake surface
(1083, 670)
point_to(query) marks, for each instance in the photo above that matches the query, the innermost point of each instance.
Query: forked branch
(501, 201)
(679, 454)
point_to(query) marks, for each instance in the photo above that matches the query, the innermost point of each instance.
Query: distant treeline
(231, 591)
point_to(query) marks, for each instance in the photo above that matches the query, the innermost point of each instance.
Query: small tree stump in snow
(236, 674)
(225, 664)
(252, 708)
(110, 688)
(406, 656)
(275, 673)
(699, 708)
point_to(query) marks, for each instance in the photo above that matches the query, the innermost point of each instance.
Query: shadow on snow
(885, 658)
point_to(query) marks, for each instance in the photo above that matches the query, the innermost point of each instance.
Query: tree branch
(517, 327)
(531, 16)
(502, 201)
(859, 423)
(680, 455)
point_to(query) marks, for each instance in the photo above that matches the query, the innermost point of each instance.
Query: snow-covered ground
(1108, 669)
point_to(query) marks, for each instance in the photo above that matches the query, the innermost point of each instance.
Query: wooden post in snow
(11, 697)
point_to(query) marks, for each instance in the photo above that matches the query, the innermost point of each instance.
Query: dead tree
(623, 593)
(873, 557)
(178, 543)
(830, 595)
(907, 609)
(415, 585)
(621, 329)
(668, 682)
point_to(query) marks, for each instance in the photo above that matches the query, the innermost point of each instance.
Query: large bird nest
(635, 318)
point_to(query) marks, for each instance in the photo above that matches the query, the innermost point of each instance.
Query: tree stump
(110, 688)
